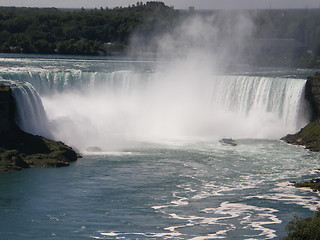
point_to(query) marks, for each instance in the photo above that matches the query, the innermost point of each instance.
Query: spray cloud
(183, 98)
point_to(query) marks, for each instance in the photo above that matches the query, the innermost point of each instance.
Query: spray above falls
(188, 96)
(120, 108)
(117, 109)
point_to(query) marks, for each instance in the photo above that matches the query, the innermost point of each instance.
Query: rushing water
(161, 172)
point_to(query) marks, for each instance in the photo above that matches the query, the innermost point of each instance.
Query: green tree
(304, 229)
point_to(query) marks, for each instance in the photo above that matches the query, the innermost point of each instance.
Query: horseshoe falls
(116, 109)
(152, 165)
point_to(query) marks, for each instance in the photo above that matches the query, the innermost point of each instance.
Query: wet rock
(312, 94)
(19, 150)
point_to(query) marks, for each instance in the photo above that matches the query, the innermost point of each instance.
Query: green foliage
(304, 229)
(111, 31)
(8, 155)
(79, 32)
(309, 136)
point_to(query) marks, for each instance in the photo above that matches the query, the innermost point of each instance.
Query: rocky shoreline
(309, 136)
(20, 150)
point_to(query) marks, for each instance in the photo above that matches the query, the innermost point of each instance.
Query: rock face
(6, 109)
(309, 136)
(19, 149)
(313, 95)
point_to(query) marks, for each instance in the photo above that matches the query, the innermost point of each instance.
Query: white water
(127, 107)
(190, 186)
(30, 115)
(120, 108)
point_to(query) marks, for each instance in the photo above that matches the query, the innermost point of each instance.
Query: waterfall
(51, 82)
(111, 109)
(30, 113)
(282, 97)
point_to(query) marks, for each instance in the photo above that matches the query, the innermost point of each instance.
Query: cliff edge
(309, 136)
(19, 150)
(312, 94)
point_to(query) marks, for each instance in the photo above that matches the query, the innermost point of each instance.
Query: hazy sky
(178, 4)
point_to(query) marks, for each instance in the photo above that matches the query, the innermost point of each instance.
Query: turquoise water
(171, 191)
(161, 172)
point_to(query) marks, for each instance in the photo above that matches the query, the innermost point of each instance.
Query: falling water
(30, 114)
(161, 172)
(114, 109)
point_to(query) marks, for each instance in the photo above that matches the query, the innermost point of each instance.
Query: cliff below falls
(19, 149)
(312, 94)
(309, 136)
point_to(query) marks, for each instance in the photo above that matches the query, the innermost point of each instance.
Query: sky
(177, 4)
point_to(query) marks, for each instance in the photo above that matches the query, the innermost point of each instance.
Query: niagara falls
(175, 128)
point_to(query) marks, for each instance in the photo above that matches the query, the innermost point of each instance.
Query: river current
(160, 179)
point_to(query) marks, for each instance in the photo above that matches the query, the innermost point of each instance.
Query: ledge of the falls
(19, 150)
(309, 136)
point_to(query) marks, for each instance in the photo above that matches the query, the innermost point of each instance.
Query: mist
(187, 97)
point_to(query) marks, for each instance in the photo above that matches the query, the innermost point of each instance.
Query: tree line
(108, 32)
(79, 32)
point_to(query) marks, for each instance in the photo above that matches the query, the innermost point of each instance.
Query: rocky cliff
(19, 149)
(6, 109)
(309, 136)
(313, 95)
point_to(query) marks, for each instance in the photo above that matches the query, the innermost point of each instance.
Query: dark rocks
(312, 94)
(19, 150)
(6, 109)
(313, 184)
(309, 136)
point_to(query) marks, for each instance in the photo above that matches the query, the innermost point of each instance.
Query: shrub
(304, 229)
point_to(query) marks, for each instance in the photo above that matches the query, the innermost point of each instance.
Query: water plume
(171, 106)
(187, 96)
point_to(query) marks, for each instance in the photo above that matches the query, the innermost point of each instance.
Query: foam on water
(160, 159)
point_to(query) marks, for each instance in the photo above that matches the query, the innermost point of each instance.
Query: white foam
(288, 196)
(107, 153)
(211, 236)
(235, 210)
(284, 184)
(110, 234)
(121, 235)
(159, 207)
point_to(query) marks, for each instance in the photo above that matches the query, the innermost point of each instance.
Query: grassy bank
(309, 136)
